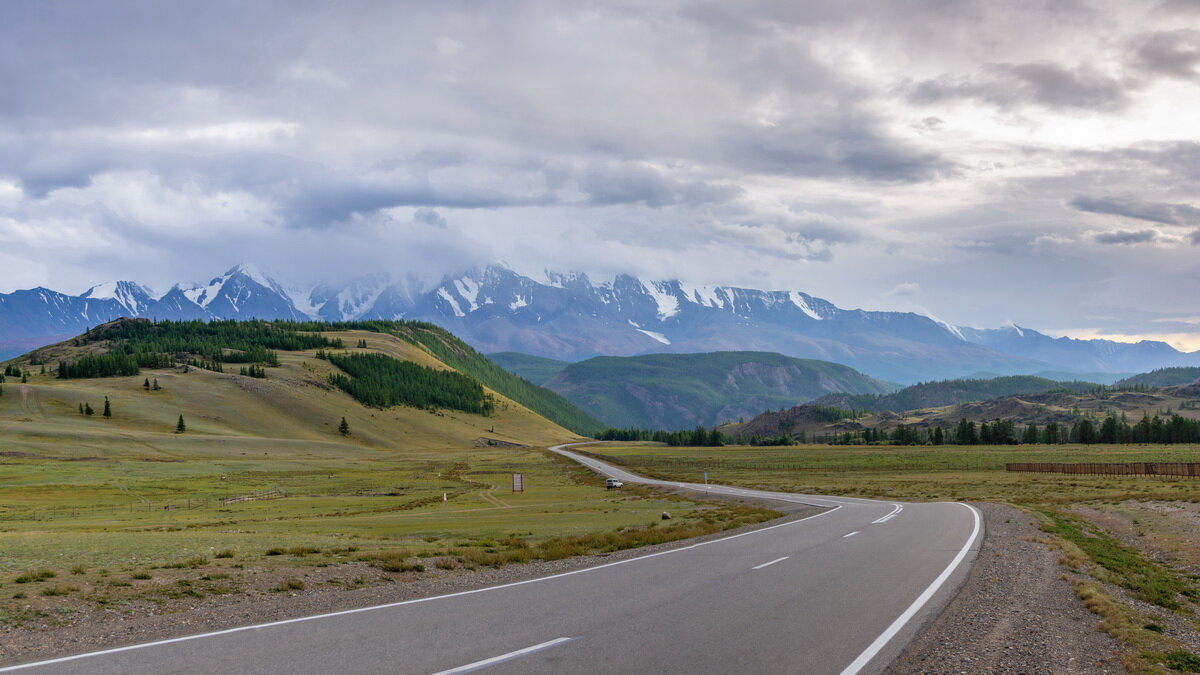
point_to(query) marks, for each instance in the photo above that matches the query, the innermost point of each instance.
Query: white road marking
(768, 564)
(504, 657)
(416, 601)
(886, 636)
(895, 512)
(850, 535)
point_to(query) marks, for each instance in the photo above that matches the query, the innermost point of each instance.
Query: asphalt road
(838, 592)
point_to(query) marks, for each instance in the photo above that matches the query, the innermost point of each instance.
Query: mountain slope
(677, 391)
(1163, 377)
(536, 369)
(950, 392)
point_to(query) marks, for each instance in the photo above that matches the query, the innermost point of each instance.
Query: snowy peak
(133, 297)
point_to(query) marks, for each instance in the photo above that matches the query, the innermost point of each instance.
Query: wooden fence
(1165, 469)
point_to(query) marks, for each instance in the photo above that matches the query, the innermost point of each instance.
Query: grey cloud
(430, 217)
(1124, 237)
(1041, 83)
(1196, 238)
(1155, 212)
(1169, 53)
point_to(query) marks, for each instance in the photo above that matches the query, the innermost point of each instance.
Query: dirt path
(31, 403)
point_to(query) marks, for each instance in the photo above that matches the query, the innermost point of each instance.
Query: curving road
(841, 591)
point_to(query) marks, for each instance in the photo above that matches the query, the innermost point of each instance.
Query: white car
(611, 483)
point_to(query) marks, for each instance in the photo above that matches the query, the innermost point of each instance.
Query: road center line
(768, 564)
(504, 657)
(850, 535)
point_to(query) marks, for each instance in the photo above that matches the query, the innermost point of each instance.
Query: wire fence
(1164, 469)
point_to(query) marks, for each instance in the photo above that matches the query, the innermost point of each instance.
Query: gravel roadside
(1014, 614)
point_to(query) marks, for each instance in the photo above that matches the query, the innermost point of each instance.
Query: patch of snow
(799, 301)
(952, 329)
(255, 274)
(656, 335)
(518, 303)
(468, 289)
(301, 297)
(709, 296)
(204, 295)
(445, 295)
(668, 305)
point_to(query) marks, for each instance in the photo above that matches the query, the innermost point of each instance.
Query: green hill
(1163, 377)
(951, 392)
(463, 358)
(536, 369)
(679, 391)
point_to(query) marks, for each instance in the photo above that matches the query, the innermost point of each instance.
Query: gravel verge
(1015, 613)
(106, 629)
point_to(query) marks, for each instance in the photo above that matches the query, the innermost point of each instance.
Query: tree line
(698, 437)
(1150, 429)
(382, 382)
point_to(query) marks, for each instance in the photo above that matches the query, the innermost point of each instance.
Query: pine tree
(344, 427)
(180, 427)
(146, 384)
(156, 387)
(80, 408)
(107, 408)
(87, 409)
(24, 377)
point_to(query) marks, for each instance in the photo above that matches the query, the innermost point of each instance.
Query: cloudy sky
(983, 162)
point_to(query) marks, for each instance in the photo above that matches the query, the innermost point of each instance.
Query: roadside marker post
(705, 480)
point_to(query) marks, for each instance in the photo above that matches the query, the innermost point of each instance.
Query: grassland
(261, 488)
(915, 472)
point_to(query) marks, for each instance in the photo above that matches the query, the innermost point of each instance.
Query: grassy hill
(536, 369)
(678, 391)
(1163, 377)
(261, 488)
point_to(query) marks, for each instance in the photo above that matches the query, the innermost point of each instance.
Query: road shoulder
(1016, 613)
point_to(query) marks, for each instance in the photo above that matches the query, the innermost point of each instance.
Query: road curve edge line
(896, 626)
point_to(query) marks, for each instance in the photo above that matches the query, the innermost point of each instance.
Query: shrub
(291, 584)
(141, 575)
(60, 589)
(78, 569)
(227, 553)
(35, 575)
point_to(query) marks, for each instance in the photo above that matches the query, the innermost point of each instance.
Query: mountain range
(571, 317)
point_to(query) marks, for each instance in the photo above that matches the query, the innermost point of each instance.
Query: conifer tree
(24, 378)
(87, 409)
(80, 408)
(344, 427)
(107, 408)
(180, 427)
(146, 384)
(156, 387)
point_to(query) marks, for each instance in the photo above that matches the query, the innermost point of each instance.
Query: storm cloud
(842, 149)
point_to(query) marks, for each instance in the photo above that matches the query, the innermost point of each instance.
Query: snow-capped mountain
(570, 316)
(135, 298)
